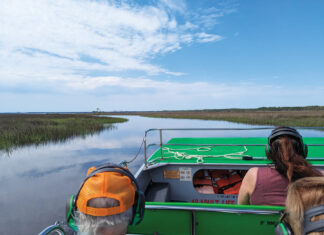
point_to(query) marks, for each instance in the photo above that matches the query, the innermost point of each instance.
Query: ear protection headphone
(289, 131)
(308, 226)
(139, 202)
(282, 227)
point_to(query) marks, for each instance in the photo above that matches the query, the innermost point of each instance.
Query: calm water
(37, 181)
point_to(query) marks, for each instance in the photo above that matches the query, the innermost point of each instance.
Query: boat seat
(202, 218)
(158, 192)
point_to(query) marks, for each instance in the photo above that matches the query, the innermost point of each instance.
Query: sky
(80, 55)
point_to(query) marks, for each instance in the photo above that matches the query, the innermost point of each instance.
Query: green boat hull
(187, 218)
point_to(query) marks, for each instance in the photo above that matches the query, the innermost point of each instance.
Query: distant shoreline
(307, 116)
(22, 129)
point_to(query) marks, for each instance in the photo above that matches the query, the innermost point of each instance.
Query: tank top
(270, 188)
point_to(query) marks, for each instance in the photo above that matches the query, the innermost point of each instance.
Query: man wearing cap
(104, 203)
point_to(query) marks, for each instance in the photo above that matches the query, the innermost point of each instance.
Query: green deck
(225, 154)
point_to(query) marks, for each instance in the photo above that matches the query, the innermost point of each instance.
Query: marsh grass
(276, 118)
(25, 129)
(310, 116)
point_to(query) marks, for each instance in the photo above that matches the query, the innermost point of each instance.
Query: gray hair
(96, 225)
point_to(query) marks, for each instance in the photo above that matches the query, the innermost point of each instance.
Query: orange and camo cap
(113, 185)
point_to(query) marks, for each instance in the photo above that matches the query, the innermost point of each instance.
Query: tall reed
(26, 129)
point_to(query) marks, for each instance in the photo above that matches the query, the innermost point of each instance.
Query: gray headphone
(308, 226)
(289, 131)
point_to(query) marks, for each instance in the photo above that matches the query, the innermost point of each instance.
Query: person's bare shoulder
(247, 186)
(253, 172)
(250, 179)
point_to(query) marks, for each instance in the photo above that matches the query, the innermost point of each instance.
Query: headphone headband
(284, 130)
(139, 200)
(288, 131)
(313, 226)
(108, 168)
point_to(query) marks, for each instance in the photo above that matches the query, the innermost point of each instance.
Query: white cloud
(116, 93)
(208, 17)
(204, 37)
(203, 95)
(178, 5)
(61, 40)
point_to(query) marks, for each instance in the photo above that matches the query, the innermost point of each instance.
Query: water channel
(37, 181)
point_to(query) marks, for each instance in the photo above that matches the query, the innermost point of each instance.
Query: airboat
(191, 185)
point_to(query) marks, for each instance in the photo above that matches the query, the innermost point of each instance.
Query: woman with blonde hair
(268, 185)
(304, 208)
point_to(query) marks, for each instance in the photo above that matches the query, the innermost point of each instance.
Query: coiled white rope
(200, 158)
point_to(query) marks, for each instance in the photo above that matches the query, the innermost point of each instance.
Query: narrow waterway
(37, 181)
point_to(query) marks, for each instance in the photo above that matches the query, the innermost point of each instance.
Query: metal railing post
(161, 144)
(145, 150)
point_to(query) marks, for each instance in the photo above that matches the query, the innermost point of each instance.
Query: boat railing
(53, 229)
(163, 130)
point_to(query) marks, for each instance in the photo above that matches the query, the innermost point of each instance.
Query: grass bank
(25, 129)
(309, 116)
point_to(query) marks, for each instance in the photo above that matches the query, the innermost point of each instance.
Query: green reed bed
(25, 129)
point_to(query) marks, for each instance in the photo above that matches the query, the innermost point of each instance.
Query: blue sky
(69, 55)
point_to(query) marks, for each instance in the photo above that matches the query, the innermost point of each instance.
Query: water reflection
(36, 182)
